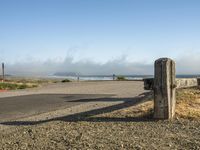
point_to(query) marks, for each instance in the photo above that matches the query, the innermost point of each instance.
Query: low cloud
(187, 64)
(84, 67)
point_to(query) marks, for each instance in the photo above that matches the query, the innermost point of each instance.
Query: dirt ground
(127, 125)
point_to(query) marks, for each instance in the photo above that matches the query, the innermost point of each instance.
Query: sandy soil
(122, 121)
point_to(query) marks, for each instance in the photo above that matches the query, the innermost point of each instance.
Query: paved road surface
(17, 104)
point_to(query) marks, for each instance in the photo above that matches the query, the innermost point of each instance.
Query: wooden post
(164, 89)
(3, 76)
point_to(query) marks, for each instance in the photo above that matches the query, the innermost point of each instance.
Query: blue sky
(99, 31)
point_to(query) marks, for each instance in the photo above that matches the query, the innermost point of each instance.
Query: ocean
(110, 77)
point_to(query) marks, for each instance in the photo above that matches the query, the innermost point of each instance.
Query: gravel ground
(122, 129)
(124, 125)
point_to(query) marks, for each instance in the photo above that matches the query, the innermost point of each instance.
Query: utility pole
(3, 75)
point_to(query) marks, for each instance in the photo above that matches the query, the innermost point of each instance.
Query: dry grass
(188, 103)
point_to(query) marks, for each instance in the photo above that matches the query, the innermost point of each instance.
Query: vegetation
(32, 81)
(23, 83)
(65, 80)
(15, 86)
(188, 103)
(121, 78)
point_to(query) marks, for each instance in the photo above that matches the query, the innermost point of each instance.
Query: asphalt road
(19, 104)
(23, 106)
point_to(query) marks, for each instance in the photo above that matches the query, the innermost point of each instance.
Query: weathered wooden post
(3, 76)
(164, 89)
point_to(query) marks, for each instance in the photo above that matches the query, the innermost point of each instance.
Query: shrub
(121, 78)
(22, 86)
(65, 80)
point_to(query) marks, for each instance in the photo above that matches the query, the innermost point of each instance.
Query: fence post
(3, 76)
(164, 89)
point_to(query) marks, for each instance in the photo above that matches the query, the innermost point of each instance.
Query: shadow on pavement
(90, 115)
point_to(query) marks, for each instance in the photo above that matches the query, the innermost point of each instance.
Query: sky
(41, 37)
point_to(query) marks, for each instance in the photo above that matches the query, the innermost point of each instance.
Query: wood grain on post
(164, 89)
